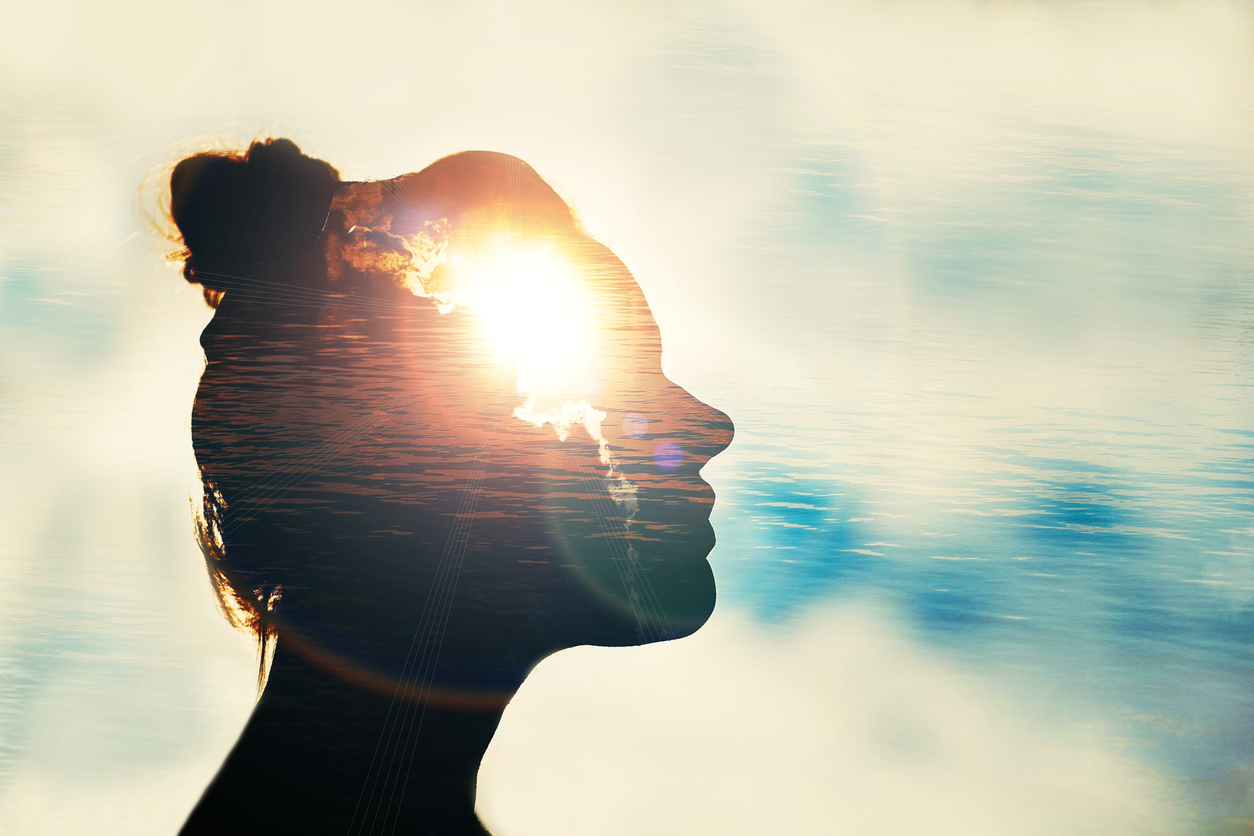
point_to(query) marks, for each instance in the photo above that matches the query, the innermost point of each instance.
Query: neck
(322, 755)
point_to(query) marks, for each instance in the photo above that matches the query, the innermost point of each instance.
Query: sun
(534, 309)
(539, 315)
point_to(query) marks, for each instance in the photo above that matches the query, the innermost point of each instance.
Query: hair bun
(236, 213)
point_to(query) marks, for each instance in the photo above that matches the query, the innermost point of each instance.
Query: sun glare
(538, 316)
(535, 313)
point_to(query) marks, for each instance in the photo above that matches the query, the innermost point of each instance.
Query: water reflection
(412, 487)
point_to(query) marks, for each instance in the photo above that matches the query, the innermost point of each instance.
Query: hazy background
(974, 279)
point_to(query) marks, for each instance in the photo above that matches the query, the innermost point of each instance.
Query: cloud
(847, 726)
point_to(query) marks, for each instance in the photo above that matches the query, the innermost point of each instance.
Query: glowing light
(537, 315)
(668, 455)
(635, 425)
(535, 311)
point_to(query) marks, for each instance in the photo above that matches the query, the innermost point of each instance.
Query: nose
(706, 431)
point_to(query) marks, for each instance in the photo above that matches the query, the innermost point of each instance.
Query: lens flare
(535, 311)
(537, 315)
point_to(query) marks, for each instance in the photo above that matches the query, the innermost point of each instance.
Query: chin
(681, 586)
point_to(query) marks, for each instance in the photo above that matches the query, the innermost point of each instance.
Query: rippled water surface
(974, 283)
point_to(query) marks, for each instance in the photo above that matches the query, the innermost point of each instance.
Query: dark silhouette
(377, 511)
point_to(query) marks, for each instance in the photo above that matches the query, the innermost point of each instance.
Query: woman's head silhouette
(436, 445)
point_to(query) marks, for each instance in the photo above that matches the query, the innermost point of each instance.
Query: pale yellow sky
(664, 124)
